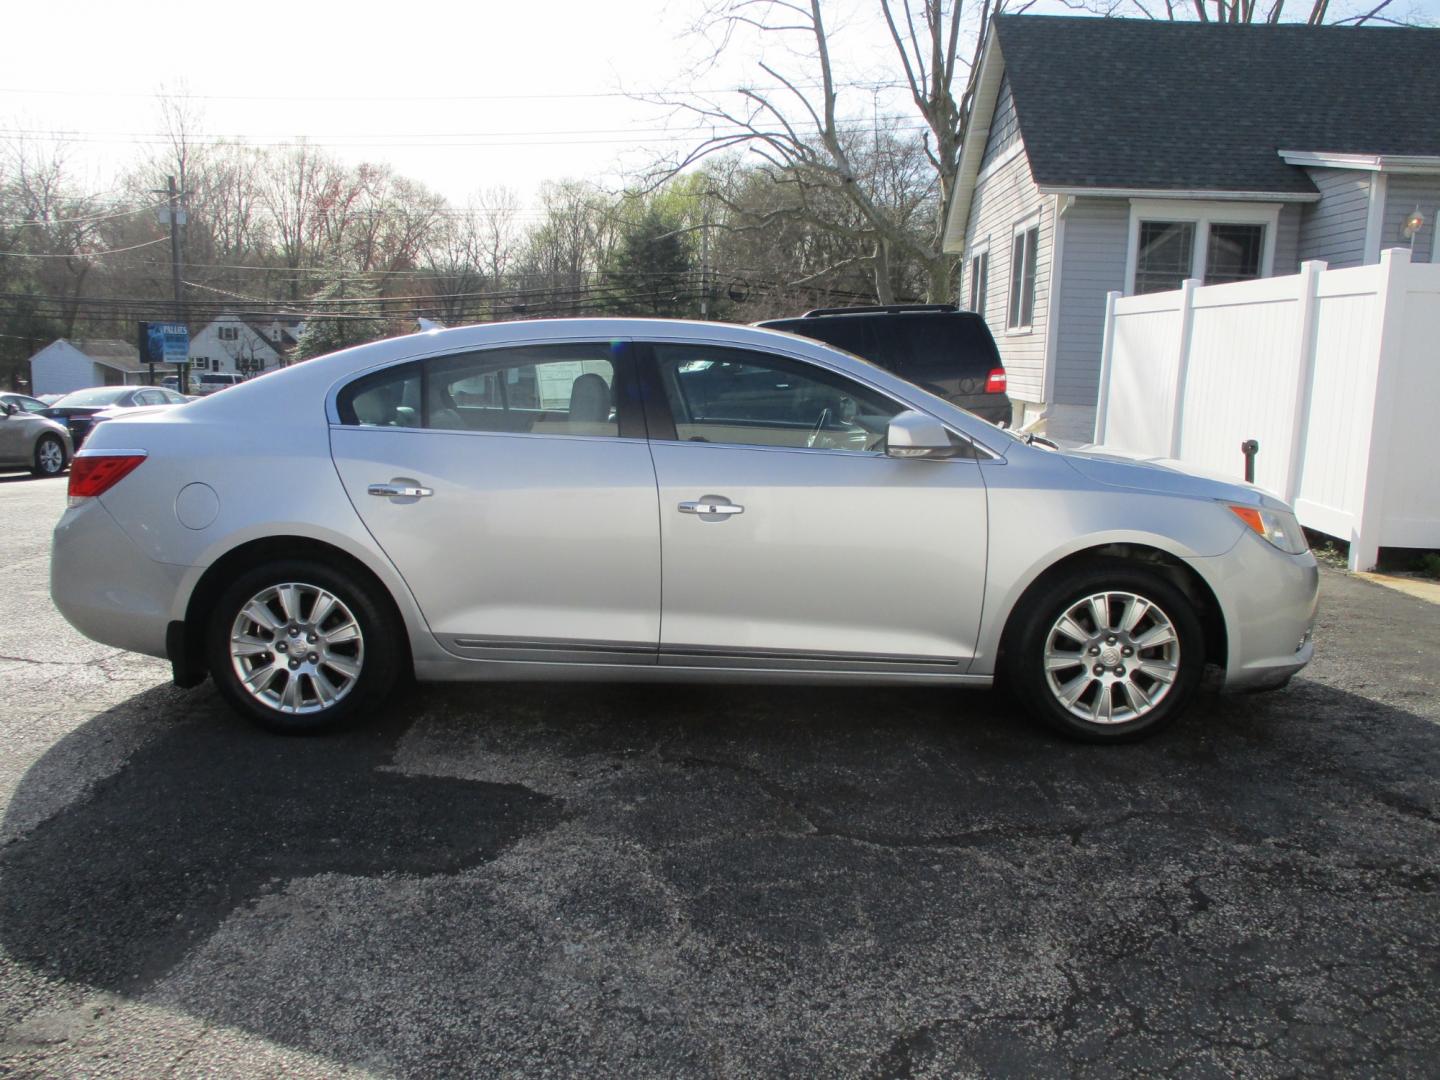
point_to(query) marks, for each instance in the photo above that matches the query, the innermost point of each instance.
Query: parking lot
(713, 881)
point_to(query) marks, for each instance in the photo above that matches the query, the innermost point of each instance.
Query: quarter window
(1022, 278)
(737, 396)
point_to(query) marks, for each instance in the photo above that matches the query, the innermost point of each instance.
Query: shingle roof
(112, 353)
(1129, 103)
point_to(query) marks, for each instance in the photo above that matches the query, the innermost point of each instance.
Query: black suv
(937, 347)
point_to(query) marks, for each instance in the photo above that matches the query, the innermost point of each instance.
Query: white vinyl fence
(1335, 372)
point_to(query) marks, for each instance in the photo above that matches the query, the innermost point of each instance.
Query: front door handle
(399, 491)
(708, 505)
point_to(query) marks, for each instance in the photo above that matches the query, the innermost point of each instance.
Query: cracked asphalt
(715, 881)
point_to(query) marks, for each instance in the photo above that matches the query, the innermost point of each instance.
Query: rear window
(940, 345)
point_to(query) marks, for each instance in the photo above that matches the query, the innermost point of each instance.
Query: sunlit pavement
(712, 881)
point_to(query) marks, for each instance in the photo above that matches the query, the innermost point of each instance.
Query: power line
(84, 254)
(554, 96)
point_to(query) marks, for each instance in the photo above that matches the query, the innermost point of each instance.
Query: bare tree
(802, 134)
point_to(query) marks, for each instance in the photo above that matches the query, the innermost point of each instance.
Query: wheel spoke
(258, 680)
(1058, 661)
(345, 632)
(289, 597)
(342, 664)
(324, 690)
(1138, 699)
(1159, 634)
(249, 645)
(1072, 691)
(321, 609)
(1159, 670)
(261, 615)
(1100, 612)
(290, 700)
(1135, 610)
(1073, 630)
(1102, 708)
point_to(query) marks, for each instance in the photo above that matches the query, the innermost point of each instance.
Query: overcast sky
(461, 96)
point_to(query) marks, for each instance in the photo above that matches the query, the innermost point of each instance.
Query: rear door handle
(707, 506)
(393, 491)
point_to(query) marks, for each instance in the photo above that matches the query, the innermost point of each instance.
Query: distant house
(63, 366)
(1129, 155)
(247, 346)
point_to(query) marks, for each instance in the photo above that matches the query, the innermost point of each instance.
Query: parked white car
(651, 500)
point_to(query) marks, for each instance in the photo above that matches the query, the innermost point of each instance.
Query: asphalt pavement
(713, 881)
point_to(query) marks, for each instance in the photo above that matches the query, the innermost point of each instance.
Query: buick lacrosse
(638, 499)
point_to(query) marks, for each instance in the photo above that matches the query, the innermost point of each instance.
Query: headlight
(1277, 527)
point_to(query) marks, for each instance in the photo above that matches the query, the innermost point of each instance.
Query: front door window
(745, 398)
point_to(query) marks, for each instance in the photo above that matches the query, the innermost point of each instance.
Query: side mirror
(9, 408)
(914, 435)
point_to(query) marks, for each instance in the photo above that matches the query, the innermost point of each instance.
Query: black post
(1250, 447)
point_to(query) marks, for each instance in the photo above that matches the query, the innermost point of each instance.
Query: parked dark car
(935, 346)
(77, 410)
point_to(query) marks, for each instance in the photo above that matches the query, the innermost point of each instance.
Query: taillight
(94, 474)
(995, 383)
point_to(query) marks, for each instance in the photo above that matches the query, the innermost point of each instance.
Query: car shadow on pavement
(677, 880)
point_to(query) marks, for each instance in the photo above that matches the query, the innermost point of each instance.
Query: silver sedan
(635, 499)
(30, 440)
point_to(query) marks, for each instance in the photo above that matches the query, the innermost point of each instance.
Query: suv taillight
(995, 383)
(94, 474)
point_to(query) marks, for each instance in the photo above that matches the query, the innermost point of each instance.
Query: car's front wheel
(1108, 652)
(299, 647)
(49, 456)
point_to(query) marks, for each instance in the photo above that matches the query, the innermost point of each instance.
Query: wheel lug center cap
(1110, 656)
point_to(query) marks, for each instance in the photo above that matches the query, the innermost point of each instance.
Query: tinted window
(535, 389)
(944, 346)
(756, 399)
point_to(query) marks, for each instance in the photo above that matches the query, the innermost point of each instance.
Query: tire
(350, 656)
(1125, 683)
(49, 459)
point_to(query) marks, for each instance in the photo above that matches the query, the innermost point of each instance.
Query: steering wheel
(819, 426)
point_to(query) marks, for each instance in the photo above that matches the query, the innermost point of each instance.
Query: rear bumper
(106, 587)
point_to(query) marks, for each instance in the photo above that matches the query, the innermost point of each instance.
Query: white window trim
(971, 254)
(1203, 215)
(1030, 221)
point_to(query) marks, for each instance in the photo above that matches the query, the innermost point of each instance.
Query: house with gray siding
(1129, 155)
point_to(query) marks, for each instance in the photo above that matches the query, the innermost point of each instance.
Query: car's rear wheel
(1108, 652)
(49, 456)
(298, 647)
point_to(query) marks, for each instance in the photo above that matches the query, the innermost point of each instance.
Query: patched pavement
(713, 881)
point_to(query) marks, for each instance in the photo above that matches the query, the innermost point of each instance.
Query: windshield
(99, 395)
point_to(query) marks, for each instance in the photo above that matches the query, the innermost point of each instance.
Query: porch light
(1413, 224)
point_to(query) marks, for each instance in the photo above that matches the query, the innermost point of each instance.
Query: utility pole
(705, 265)
(177, 218)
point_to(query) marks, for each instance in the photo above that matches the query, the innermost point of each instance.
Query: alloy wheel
(50, 456)
(1111, 657)
(297, 648)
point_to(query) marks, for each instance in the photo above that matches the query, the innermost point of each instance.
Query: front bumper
(1269, 600)
(106, 587)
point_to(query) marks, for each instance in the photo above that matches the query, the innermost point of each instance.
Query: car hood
(1165, 476)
